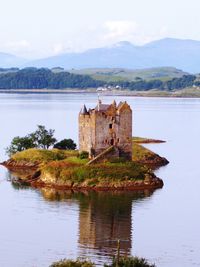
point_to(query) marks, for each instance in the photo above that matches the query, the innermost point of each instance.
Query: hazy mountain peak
(9, 60)
(122, 44)
(172, 42)
(178, 53)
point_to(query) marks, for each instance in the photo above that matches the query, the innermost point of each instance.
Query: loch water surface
(38, 227)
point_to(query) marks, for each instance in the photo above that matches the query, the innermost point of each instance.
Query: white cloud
(62, 47)
(58, 48)
(96, 35)
(114, 31)
(21, 44)
(19, 47)
(119, 29)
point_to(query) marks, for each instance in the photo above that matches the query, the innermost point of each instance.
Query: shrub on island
(122, 262)
(72, 263)
(130, 262)
(65, 144)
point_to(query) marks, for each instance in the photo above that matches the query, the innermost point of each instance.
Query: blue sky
(38, 28)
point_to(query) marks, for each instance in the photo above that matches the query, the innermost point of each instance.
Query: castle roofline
(123, 105)
(84, 110)
(102, 107)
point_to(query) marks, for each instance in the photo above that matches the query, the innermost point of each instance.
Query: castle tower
(104, 126)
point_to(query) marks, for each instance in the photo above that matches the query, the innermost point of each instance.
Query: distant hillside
(119, 74)
(33, 78)
(181, 54)
(8, 61)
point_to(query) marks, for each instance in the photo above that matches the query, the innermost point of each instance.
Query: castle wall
(99, 129)
(86, 132)
(104, 134)
(125, 134)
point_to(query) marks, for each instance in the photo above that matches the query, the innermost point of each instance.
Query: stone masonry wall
(99, 130)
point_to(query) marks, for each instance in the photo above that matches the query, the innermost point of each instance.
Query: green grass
(141, 153)
(123, 262)
(143, 140)
(119, 74)
(34, 155)
(97, 174)
(72, 263)
(139, 140)
(77, 160)
(130, 262)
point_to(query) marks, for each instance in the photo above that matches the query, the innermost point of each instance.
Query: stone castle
(106, 126)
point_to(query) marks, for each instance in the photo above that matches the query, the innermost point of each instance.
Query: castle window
(112, 142)
(117, 140)
(110, 126)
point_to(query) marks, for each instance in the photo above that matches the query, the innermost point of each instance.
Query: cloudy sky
(39, 28)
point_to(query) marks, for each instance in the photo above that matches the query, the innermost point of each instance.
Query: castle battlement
(104, 126)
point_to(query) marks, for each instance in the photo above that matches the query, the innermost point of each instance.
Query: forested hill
(33, 78)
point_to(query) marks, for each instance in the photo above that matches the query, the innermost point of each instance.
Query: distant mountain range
(181, 54)
(9, 61)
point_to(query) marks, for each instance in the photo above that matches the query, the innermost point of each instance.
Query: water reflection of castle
(103, 218)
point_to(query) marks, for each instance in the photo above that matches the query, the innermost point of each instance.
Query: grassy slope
(162, 73)
(41, 155)
(141, 153)
(68, 173)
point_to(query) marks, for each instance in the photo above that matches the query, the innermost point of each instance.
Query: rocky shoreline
(27, 174)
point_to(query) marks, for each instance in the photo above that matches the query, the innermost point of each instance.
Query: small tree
(66, 144)
(43, 138)
(20, 144)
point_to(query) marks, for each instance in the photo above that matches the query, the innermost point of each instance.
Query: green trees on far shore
(33, 78)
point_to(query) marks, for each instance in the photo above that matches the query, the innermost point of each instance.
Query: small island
(108, 159)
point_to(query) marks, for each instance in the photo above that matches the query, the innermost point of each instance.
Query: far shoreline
(184, 93)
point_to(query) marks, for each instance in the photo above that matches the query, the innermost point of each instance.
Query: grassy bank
(34, 155)
(72, 173)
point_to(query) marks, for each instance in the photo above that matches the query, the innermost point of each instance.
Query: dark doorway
(112, 142)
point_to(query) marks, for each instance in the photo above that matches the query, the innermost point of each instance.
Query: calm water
(38, 227)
